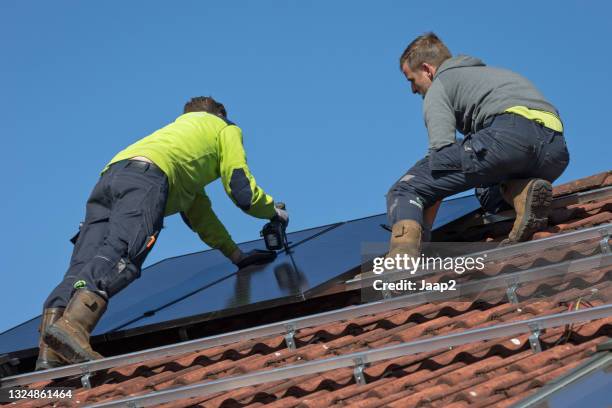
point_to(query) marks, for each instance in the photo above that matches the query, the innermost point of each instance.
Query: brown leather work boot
(69, 336)
(531, 200)
(405, 239)
(47, 358)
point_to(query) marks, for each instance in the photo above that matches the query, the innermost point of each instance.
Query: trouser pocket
(146, 247)
(460, 156)
(447, 158)
(556, 159)
(123, 274)
(129, 267)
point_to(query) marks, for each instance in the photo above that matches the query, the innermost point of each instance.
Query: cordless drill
(274, 234)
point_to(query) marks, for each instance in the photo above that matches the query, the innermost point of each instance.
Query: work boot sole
(537, 208)
(69, 349)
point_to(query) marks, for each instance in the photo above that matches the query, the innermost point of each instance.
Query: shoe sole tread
(537, 208)
(64, 345)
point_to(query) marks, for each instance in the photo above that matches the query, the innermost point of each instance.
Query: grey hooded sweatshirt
(466, 94)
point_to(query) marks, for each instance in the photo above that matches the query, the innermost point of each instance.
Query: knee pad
(403, 203)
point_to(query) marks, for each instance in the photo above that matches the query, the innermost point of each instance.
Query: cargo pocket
(473, 151)
(138, 244)
(446, 158)
(124, 273)
(139, 257)
(128, 268)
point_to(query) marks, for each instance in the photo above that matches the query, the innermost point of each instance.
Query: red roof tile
(587, 183)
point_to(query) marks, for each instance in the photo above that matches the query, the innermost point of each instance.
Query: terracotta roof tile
(587, 183)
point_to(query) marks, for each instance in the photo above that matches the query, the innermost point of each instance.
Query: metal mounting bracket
(358, 371)
(511, 294)
(86, 380)
(290, 337)
(604, 243)
(534, 339)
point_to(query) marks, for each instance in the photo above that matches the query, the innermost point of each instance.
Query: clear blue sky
(329, 122)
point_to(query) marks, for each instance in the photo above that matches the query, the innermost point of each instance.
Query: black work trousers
(124, 216)
(511, 147)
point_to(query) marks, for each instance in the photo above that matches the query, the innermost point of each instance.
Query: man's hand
(254, 257)
(281, 215)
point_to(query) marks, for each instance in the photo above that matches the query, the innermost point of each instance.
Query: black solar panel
(21, 337)
(450, 210)
(170, 280)
(312, 266)
(160, 284)
(287, 279)
(205, 284)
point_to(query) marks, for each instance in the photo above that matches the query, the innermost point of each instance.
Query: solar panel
(21, 337)
(450, 210)
(205, 283)
(311, 267)
(175, 278)
(161, 283)
(236, 292)
(287, 279)
(587, 385)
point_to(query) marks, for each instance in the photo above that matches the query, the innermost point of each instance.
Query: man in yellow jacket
(161, 174)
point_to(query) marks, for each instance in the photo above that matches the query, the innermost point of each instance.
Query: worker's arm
(201, 218)
(439, 117)
(441, 124)
(237, 179)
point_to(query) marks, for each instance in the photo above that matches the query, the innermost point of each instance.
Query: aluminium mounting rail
(360, 359)
(292, 325)
(581, 197)
(557, 202)
(597, 232)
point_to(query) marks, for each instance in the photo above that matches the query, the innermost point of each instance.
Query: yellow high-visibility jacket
(194, 150)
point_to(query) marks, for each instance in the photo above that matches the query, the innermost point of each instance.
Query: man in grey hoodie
(512, 150)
